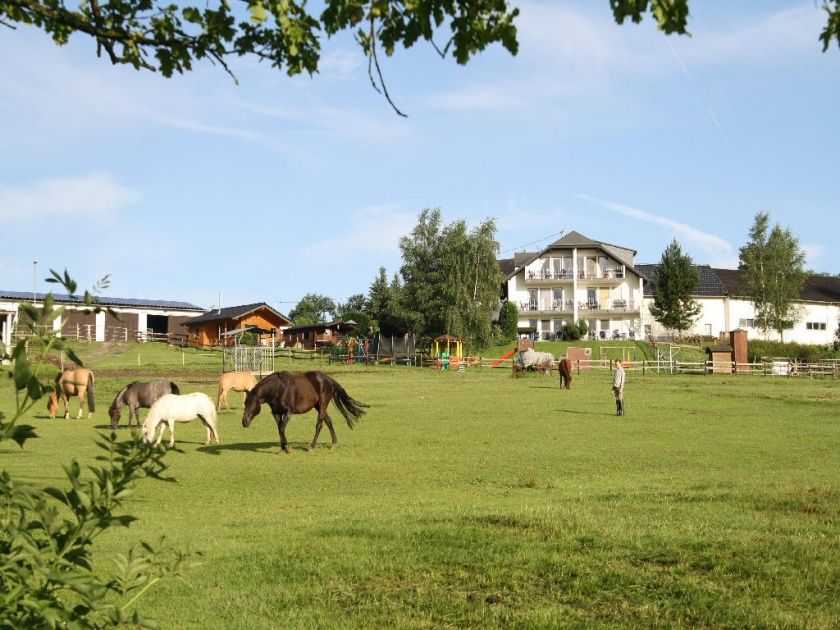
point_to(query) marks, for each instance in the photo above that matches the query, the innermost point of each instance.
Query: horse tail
(90, 398)
(173, 388)
(350, 408)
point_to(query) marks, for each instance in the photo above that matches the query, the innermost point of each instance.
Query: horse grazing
(138, 395)
(172, 408)
(565, 367)
(76, 382)
(236, 381)
(287, 393)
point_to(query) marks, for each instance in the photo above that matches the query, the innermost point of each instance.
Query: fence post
(644, 365)
(578, 367)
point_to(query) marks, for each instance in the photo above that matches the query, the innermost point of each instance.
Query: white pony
(173, 408)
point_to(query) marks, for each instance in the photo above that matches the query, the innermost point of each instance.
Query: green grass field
(474, 499)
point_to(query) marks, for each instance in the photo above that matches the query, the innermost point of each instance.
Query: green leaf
(258, 13)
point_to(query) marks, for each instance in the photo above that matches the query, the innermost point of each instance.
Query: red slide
(502, 358)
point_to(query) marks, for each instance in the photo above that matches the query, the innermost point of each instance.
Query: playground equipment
(448, 350)
(351, 349)
(504, 357)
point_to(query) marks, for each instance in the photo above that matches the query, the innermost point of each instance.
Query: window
(815, 325)
(746, 323)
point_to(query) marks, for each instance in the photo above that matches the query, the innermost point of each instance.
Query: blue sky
(191, 187)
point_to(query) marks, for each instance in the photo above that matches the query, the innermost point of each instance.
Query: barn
(138, 319)
(212, 327)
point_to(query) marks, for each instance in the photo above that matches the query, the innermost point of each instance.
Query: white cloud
(477, 97)
(372, 230)
(336, 121)
(813, 253)
(762, 39)
(720, 251)
(339, 64)
(93, 195)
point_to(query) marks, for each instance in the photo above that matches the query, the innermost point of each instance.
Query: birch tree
(775, 273)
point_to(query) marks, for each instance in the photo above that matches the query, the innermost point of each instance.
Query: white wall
(726, 314)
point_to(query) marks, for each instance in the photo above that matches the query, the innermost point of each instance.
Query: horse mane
(173, 388)
(119, 399)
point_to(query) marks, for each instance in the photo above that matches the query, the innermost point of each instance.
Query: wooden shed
(209, 329)
(720, 357)
(317, 335)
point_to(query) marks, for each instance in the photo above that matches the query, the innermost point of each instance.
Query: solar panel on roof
(105, 301)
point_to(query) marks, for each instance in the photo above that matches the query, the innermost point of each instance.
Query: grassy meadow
(475, 499)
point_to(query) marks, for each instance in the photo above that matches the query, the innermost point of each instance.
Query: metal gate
(258, 359)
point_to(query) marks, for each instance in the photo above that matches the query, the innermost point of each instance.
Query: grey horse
(136, 395)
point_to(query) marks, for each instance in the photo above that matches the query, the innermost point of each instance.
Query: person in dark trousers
(618, 388)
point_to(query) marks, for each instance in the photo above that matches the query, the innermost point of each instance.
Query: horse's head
(52, 405)
(252, 408)
(114, 414)
(147, 430)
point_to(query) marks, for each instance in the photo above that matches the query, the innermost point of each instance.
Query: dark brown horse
(565, 367)
(287, 393)
(138, 395)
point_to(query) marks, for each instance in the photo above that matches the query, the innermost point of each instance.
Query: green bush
(760, 348)
(47, 578)
(573, 332)
(508, 321)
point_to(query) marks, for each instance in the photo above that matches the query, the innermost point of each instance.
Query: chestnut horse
(76, 382)
(287, 393)
(236, 381)
(565, 367)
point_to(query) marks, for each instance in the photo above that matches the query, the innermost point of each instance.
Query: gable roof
(233, 312)
(61, 298)
(571, 240)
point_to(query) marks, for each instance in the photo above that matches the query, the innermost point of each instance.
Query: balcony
(552, 307)
(601, 277)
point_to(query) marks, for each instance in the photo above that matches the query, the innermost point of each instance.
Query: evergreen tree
(775, 269)
(509, 320)
(676, 281)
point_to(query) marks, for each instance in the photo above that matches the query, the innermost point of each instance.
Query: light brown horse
(236, 381)
(76, 382)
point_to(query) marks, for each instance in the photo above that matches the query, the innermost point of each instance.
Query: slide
(502, 358)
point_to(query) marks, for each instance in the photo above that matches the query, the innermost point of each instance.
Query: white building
(137, 318)
(580, 278)
(725, 306)
(576, 278)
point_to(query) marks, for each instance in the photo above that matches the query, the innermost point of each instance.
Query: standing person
(618, 388)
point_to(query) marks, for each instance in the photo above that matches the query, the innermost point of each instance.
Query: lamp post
(34, 274)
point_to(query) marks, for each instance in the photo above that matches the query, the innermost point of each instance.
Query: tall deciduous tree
(313, 308)
(451, 277)
(676, 281)
(775, 271)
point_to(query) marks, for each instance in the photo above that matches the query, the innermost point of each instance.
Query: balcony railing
(567, 306)
(612, 273)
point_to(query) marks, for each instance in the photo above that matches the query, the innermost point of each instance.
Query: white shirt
(618, 379)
